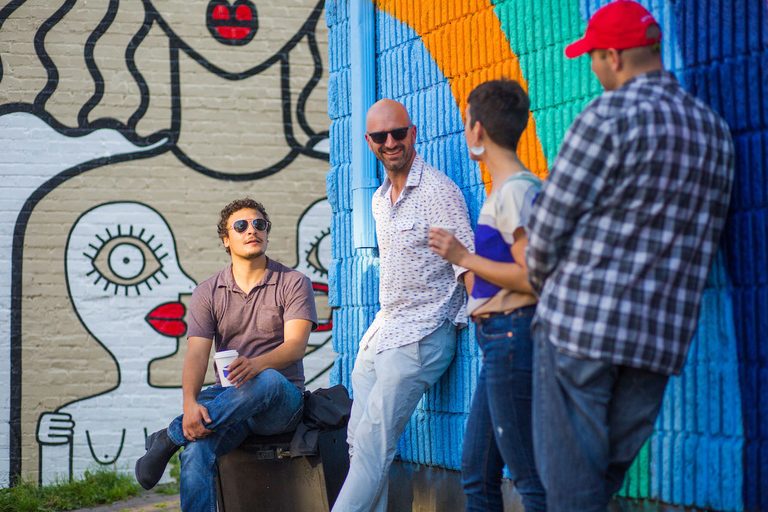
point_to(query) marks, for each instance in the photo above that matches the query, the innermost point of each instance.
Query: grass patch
(95, 488)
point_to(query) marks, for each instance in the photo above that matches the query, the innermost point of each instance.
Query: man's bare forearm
(195, 366)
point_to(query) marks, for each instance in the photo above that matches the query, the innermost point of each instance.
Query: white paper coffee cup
(222, 360)
(450, 229)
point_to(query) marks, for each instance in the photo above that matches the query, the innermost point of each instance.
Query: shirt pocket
(402, 234)
(269, 319)
(404, 225)
(411, 234)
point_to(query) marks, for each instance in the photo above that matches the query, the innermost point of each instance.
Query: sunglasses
(258, 224)
(397, 134)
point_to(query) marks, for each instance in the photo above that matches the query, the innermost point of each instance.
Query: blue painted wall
(710, 447)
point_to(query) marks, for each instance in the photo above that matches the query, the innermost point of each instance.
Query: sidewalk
(148, 501)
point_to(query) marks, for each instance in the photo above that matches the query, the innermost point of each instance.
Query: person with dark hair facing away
(620, 245)
(501, 303)
(265, 311)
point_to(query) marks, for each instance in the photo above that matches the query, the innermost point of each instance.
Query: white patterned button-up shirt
(418, 290)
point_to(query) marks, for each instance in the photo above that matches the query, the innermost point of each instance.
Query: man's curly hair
(236, 206)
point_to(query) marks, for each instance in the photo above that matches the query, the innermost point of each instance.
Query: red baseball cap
(620, 25)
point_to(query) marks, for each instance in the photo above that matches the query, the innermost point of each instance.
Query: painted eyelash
(130, 239)
(311, 254)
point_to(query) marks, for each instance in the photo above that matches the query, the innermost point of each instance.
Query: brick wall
(126, 127)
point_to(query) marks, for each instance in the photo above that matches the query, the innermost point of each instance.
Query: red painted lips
(167, 319)
(234, 24)
(323, 324)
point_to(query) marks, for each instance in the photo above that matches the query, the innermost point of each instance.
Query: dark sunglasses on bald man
(397, 134)
(258, 224)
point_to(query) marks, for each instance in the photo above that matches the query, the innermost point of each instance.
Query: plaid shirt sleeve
(579, 174)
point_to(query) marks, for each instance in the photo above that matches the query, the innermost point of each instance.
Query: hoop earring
(477, 150)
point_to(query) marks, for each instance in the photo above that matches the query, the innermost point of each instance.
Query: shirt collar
(413, 180)
(414, 175)
(660, 75)
(269, 278)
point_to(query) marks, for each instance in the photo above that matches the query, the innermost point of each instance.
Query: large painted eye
(126, 262)
(319, 253)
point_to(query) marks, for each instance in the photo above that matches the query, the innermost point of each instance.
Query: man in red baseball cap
(621, 239)
(619, 25)
(623, 40)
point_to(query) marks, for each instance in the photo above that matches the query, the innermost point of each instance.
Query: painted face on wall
(126, 286)
(236, 36)
(125, 281)
(189, 85)
(255, 65)
(313, 254)
(234, 24)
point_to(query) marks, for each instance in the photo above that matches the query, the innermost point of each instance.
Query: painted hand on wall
(126, 285)
(55, 428)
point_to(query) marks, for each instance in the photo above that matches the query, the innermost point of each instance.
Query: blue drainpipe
(363, 95)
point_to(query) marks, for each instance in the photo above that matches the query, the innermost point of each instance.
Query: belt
(485, 316)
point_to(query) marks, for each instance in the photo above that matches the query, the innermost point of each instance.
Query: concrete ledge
(418, 488)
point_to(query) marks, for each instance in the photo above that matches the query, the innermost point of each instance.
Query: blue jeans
(499, 425)
(590, 420)
(387, 388)
(265, 405)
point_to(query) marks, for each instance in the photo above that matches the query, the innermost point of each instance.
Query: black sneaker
(150, 467)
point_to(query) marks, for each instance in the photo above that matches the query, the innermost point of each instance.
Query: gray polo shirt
(253, 324)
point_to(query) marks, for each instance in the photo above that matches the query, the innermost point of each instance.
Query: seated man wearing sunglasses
(265, 311)
(413, 337)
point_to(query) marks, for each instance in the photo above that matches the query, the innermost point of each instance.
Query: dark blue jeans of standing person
(590, 420)
(265, 405)
(499, 425)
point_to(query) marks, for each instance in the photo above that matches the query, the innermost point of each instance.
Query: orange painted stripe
(466, 41)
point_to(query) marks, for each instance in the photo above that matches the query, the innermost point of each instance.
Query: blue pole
(363, 95)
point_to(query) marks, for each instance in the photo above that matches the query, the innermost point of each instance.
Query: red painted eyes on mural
(234, 24)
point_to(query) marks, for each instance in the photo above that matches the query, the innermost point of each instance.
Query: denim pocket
(579, 370)
(497, 327)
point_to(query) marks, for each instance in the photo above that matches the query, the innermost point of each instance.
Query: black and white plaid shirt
(626, 226)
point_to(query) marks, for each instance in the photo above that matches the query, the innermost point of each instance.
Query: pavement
(148, 501)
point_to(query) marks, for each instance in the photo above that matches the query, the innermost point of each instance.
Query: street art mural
(125, 283)
(708, 450)
(314, 255)
(171, 106)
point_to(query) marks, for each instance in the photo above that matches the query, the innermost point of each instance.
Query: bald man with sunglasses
(413, 337)
(265, 311)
